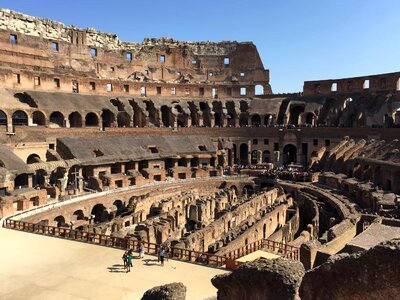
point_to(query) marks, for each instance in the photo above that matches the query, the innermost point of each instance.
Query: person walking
(124, 257)
(128, 262)
(162, 255)
(141, 250)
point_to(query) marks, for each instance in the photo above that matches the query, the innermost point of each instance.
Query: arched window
(57, 118)
(3, 118)
(19, 118)
(38, 118)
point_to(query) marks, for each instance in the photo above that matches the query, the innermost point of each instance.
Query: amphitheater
(107, 145)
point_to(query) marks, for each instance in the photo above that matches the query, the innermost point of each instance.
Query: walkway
(39, 267)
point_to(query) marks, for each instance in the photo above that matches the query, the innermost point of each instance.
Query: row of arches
(74, 119)
(99, 213)
(257, 156)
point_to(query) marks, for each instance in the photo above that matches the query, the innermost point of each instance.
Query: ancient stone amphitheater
(184, 144)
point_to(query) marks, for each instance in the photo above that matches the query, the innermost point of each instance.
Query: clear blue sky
(298, 40)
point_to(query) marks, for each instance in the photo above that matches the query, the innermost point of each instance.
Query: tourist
(162, 255)
(124, 258)
(141, 250)
(128, 262)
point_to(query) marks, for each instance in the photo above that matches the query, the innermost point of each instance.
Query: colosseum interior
(184, 144)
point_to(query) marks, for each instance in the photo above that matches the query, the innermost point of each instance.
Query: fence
(265, 244)
(151, 248)
(115, 242)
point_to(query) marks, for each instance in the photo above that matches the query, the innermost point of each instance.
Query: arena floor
(38, 267)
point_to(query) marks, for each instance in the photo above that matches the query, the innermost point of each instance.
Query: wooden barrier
(152, 248)
(115, 242)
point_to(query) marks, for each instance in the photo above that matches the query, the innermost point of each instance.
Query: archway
(33, 158)
(243, 120)
(396, 117)
(268, 120)
(230, 120)
(57, 118)
(244, 154)
(91, 120)
(255, 157)
(21, 180)
(266, 156)
(309, 118)
(256, 120)
(218, 120)
(79, 215)
(38, 118)
(123, 119)
(248, 189)
(182, 120)
(60, 221)
(259, 90)
(289, 154)
(206, 114)
(19, 118)
(75, 119)
(100, 213)
(39, 179)
(3, 118)
(166, 116)
(108, 118)
(295, 114)
(119, 207)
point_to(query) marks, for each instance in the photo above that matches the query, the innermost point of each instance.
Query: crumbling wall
(277, 279)
(369, 275)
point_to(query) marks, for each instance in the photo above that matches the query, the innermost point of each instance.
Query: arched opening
(19, 118)
(21, 181)
(206, 114)
(309, 118)
(265, 231)
(38, 118)
(230, 120)
(289, 154)
(57, 118)
(91, 120)
(248, 189)
(254, 157)
(268, 120)
(243, 120)
(33, 158)
(108, 118)
(100, 213)
(244, 151)
(166, 116)
(123, 119)
(295, 114)
(256, 120)
(75, 120)
(119, 207)
(39, 179)
(3, 118)
(60, 221)
(259, 90)
(266, 156)
(79, 215)
(182, 120)
(218, 120)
